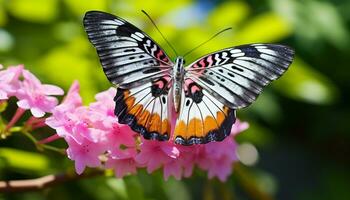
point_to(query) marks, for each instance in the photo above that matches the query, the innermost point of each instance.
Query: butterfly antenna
(149, 17)
(203, 43)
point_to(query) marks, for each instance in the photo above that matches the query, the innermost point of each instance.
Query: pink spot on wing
(159, 54)
(187, 83)
(194, 89)
(210, 60)
(160, 84)
(202, 64)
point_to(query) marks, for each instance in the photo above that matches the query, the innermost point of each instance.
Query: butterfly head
(179, 62)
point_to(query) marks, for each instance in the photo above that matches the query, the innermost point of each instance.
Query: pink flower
(173, 168)
(36, 96)
(104, 107)
(239, 127)
(94, 131)
(9, 81)
(60, 119)
(124, 163)
(119, 139)
(85, 153)
(220, 158)
(154, 154)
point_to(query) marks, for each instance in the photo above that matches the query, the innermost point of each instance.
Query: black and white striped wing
(140, 69)
(236, 76)
(128, 56)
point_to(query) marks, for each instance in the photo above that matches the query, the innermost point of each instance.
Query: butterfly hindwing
(236, 76)
(128, 56)
(145, 109)
(202, 118)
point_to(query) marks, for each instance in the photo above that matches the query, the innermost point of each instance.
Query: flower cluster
(32, 95)
(96, 139)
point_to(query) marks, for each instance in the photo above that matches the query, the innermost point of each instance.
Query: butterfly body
(206, 93)
(178, 74)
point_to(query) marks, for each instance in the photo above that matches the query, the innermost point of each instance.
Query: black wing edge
(216, 135)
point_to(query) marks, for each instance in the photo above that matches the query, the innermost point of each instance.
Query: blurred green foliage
(300, 125)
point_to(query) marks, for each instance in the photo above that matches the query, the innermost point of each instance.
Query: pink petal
(52, 90)
(153, 164)
(3, 95)
(239, 127)
(23, 104)
(31, 78)
(170, 150)
(172, 169)
(37, 112)
(79, 167)
(7, 76)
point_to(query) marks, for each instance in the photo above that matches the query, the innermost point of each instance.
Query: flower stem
(52, 148)
(40, 146)
(49, 139)
(32, 120)
(34, 123)
(32, 138)
(38, 124)
(15, 118)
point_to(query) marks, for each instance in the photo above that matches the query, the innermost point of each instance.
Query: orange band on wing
(199, 132)
(130, 112)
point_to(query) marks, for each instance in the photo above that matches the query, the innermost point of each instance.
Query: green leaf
(267, 107)
(24, 160)
(153, 6)
(228, 14)
(256, 134)
(303, 83)
(134, 188)
(329, 23)
(64, 64)
(79, 7)
(267, 27)
(314, 20)
(118, 186)
(3, 16)
(3, 106)
(42, 11)
(176, 190)
(6, 41)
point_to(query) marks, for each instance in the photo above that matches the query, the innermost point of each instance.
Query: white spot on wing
(136, 37)
(237, 54)
(140, 34)
(233, 51)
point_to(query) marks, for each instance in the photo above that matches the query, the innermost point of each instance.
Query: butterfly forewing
(236, 76)
(128, 56)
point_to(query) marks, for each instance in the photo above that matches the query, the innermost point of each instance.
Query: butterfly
(205, 94)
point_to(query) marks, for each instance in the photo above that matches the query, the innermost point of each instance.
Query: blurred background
(297, 146)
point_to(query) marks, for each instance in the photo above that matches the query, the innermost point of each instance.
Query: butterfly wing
(236, 76)
(218, 84)
(140, 69)
(145, 108)
(128, 56)
(202, 117)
